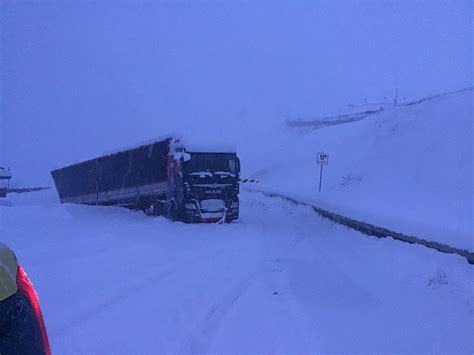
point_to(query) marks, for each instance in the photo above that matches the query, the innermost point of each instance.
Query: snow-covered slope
(408, 169)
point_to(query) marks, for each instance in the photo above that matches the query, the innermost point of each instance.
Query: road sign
(322, 159)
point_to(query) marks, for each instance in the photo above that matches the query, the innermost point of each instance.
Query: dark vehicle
(22, 329)
(160, 178)
(5, 175)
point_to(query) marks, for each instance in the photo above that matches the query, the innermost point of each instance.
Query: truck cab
(210, 187)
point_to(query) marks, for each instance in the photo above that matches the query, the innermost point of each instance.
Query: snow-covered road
(280, 280)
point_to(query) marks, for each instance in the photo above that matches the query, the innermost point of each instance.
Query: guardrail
(357, 116)
(25, 189)
(372, 230)
(432, 97)
(333, 120)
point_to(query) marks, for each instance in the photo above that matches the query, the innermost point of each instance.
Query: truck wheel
(150, 210)
(174, 212)
(230, 220)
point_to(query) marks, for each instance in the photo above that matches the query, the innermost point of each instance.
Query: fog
(81, 78)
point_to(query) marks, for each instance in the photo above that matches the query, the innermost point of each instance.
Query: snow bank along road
(280, 280)
(370, 229)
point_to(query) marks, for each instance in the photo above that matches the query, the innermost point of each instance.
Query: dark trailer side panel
(127, 178)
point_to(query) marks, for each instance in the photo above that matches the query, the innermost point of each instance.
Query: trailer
(160, 178)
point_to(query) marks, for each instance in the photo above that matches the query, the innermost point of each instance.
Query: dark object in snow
(349, 180)
(160, 178)
(5, 174)
(441, 278)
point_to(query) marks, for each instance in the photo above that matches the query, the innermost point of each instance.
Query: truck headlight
(190, 206)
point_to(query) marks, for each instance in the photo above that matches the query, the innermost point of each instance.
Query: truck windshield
(212, 163)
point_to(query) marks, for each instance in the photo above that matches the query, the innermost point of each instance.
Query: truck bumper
(194, 214)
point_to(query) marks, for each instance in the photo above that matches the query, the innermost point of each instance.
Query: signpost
(322, 159)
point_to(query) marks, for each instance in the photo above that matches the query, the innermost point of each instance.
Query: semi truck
(160, 178)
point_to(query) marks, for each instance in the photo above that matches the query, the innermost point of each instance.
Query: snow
(224, 174)
(202, 174)
(196, 145)
(280, 280)
(407, 168)
(5, 202)
(84, 79)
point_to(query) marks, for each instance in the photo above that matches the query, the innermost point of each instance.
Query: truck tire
(174, 215)
(150, 210)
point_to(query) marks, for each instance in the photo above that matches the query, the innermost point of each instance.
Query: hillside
(408, 168)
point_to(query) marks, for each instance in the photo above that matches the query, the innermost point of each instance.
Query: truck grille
(212, 205)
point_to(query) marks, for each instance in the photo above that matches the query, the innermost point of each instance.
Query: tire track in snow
(213, 315)
(199, 339)
(201, 336)
(126, 293)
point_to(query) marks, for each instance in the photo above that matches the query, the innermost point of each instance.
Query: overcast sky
(80, 78)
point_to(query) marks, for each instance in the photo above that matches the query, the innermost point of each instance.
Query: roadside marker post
(322, 159)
